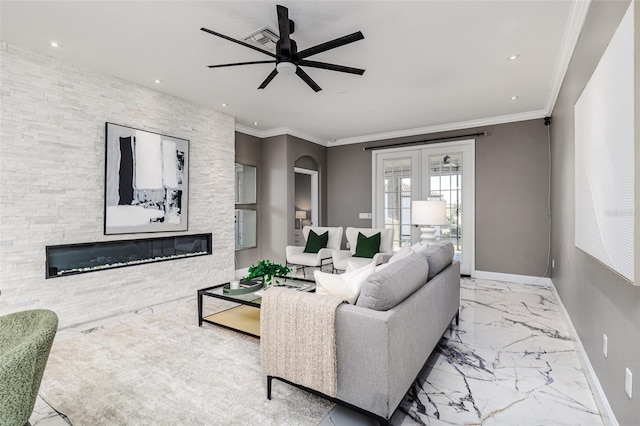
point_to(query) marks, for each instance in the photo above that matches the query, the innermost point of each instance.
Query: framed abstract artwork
(606, 144)
(146, 181)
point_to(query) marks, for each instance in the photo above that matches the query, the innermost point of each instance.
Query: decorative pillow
(381, 266)
(346, 286)
(386, 288)
(316, 242)
(404, 251)
(367, 246)
(353, 264)
(418, 247)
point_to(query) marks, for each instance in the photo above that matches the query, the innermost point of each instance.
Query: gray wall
(598, 300)
(273, 207)
(512, 173)
(275, 158)
(301, 149)
(249, 152)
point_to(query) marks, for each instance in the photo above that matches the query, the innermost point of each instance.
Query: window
(246, 212)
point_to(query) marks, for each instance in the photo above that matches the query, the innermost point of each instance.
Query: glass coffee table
(243, 317)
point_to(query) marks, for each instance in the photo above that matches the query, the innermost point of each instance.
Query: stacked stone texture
(52, 156)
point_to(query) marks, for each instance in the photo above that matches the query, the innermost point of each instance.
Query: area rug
(163, 369)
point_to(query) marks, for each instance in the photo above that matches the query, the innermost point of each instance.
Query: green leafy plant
(266, 270)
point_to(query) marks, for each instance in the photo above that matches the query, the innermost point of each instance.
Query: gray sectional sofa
(386, 337)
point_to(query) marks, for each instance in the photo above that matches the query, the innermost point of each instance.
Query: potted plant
(265, 270)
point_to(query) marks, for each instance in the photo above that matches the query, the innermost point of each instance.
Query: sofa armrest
(339, 255)
(293, 250)
(325, 253)
(340, 259)
(363, 335)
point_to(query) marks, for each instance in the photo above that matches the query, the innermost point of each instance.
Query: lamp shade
(301, 214)
(428, 213)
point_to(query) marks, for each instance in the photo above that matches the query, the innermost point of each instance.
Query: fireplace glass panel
(71, 259)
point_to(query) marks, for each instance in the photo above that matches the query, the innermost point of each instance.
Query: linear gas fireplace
(71, 259)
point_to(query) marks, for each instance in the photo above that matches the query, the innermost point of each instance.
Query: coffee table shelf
(245, 316)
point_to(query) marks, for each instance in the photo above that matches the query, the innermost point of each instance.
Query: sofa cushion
(316, 242)
(387, 287)
(439, 256)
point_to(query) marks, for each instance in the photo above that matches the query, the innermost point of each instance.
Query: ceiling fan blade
(284, 28)
(240, 63)
(341, 41)
(332, 67)
(206, 30)
(268, 79)
(305, 77)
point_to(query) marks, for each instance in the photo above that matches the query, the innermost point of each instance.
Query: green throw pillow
(367, 246)
(316, 242)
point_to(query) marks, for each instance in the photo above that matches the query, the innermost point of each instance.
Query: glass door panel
(443, 171)
(448, 174)
(445, 183)
(398, 183)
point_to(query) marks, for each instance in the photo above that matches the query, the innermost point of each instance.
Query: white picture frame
(146, 181)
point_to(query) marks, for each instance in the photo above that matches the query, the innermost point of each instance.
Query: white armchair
(297, 257)
(342, 257)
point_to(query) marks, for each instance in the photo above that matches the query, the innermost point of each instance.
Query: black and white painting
(146, 184)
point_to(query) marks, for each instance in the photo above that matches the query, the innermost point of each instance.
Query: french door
(439, 171)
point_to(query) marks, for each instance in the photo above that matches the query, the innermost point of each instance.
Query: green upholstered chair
(25, 341)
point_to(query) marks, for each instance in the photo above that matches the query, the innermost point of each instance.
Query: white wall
(52, 149)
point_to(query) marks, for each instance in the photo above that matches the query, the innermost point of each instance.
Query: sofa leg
(269, 380)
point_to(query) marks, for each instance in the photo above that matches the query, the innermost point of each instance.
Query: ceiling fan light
(286, 68)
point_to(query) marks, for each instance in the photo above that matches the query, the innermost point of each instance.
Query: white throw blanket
(297, 338)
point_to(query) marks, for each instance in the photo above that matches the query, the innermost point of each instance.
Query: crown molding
(510, 118)
(262, 134)
(577, 18)
(248, 131)
(293, 132)
(531, 115)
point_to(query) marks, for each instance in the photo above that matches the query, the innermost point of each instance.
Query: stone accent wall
(52, 154)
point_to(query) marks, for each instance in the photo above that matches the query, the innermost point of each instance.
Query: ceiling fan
(287, 58)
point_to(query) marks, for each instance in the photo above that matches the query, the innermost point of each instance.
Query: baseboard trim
(512, 278)
(606, 412)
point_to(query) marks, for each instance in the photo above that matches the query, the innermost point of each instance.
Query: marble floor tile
(44, 415)
(510, 361)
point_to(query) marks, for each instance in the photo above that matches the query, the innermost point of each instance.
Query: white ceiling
(430, 65)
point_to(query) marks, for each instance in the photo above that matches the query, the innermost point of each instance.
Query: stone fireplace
(69, 259)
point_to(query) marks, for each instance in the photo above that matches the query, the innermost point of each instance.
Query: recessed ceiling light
(157, 81)
(332, 140)
(55, 44)
(255, 123)
(513, 57)
(513, 98)
(225, 104)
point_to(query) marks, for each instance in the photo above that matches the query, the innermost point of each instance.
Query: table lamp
(428, 214)
(300, 215)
